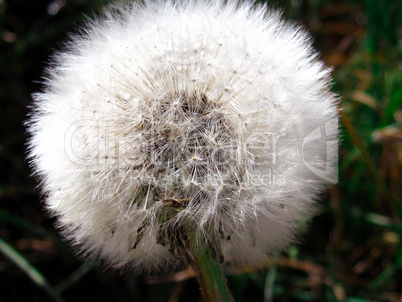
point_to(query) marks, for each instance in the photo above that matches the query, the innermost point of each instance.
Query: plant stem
(208, 270)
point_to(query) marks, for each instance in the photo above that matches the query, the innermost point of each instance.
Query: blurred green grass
(351, 252)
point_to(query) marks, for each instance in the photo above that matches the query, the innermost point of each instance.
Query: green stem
(270, 281)
(208, 270)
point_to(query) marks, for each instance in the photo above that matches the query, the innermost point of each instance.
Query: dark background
(351, 252)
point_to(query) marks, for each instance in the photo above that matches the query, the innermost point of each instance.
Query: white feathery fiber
(196, 116)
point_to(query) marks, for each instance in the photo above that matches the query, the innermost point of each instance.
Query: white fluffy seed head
(197, 116)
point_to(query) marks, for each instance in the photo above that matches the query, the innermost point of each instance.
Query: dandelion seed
(162, 119)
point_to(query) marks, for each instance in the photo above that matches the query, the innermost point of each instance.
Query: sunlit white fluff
(164, 119)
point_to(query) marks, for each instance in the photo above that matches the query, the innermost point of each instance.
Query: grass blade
(28, 269)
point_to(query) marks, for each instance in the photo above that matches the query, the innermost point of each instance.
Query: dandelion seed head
(161, 117)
